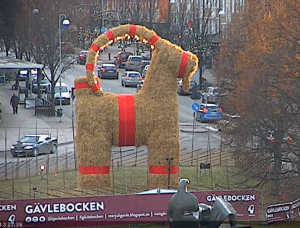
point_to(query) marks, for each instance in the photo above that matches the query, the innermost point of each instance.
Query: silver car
(133, 62)
(131, 78)
(142, 65)
(144, 71)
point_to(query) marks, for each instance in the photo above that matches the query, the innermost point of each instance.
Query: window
(136, 59)
(134, 75)
(213, 108)
(109, 68)
(29, 139)
(59, 89)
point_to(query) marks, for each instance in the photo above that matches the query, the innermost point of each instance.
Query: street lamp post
(169, 170)
(170, 17)
(65, 22)
(222, 21)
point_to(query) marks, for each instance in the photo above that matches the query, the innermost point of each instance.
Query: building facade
(205, 17)
(182, 21)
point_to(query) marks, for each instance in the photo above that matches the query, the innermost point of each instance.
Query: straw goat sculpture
(149, 117)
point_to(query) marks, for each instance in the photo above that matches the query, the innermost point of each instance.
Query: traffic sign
(103, 30)
(195, 107)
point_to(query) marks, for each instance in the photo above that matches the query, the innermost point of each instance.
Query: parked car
(209, 113)
(132, 62)
(33, 145)
(121, 58)
(81, 58)
(228, 121)
(180, 90)
(142, 65)
(62, 94)
(108, 70)
(131, 78)
(44, 86)
(144, 71)
(212, 95)
(23, 74)
(67, 47)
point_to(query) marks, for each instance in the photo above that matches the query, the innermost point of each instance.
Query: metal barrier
(44, 107)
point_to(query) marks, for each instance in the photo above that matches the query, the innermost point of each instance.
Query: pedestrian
(14, 101)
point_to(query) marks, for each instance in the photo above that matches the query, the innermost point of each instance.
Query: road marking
(212, 128)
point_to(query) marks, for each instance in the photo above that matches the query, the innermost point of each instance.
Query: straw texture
(156, 113)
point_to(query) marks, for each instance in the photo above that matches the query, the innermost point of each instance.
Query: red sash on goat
(163, 169)
(126, 120)
(94, 169)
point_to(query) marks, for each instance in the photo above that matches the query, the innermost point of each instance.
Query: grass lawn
(127, 180)
(133, 179)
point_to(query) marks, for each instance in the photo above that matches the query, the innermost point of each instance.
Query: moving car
(132, 62)
(208, 113)
(62, 93)
(142, 65)
(144, 71)
(81, 58)
(33, 145)
(44, 86)
(180, 90)
(131, 78)
(121, 58)
(107, 70)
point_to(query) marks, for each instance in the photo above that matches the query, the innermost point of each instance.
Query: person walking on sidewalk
(14, 101)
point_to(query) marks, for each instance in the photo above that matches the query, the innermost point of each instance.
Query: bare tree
(258, 65)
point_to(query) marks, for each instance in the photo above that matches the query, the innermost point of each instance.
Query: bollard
(108, 56)
(59, 112)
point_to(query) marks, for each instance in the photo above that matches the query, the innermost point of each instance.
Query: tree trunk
(298, 176)
(277, 165)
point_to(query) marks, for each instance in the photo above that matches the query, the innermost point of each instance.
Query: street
(204, 138)
(185, 105)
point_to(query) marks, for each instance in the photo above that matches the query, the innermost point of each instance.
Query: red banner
(112, 210)
(283, 212)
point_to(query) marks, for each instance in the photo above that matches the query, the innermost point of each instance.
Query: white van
(62, 93)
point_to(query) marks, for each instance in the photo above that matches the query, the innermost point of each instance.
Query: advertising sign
(283, 212)
(111, 210)
(22, 98)
(244, 202)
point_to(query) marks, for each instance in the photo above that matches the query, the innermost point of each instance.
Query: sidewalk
(15, 126)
